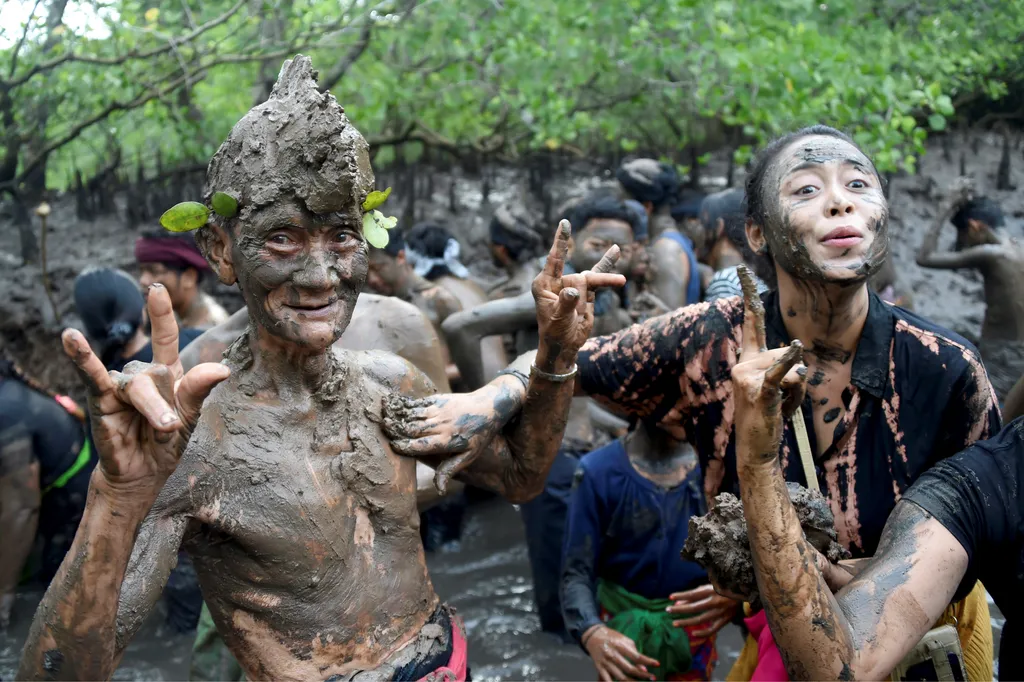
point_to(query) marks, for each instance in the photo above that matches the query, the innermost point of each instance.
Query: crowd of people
(276, 475)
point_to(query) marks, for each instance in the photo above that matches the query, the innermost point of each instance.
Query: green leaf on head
(224, 205)
(375, 199)
(376, 226)
(185, 217)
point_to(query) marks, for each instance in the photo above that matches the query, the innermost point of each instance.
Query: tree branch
(21, 41)
(350, 58)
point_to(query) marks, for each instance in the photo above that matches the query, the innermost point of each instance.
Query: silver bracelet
(511, 371)
(554, 378)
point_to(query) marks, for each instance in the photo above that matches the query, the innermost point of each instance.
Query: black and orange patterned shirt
(918, 394)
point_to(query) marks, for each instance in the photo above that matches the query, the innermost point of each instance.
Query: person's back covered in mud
(983, 244)
(814, 206)
(45, 464)
(174, 261)
(272, 469)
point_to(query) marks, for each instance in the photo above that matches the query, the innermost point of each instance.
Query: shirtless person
(300, 519)
(982, 244)
(391, 274)
(174, 261)
(433, 253)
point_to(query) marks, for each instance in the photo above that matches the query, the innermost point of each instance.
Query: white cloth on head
(422, 264)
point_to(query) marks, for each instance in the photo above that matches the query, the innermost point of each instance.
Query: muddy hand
(565, 303)
(704, 606)
(142, 417)
(765, 382)
(457, 426)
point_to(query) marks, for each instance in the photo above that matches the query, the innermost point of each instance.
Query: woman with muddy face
(815, 206)
(299, 272)
(817, 209)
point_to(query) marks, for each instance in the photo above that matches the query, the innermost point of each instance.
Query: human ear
(755, 237)
(214, 242)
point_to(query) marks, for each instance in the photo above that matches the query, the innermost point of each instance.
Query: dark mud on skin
(487, 580)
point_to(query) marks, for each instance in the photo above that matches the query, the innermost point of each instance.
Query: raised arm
(867, 629)
(515, 463)
(670, 271)
(973, 257)
(141, 421)
(466, 329)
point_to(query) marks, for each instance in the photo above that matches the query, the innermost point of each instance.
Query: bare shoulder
(390, 372)
(210, 346)
(398, 315)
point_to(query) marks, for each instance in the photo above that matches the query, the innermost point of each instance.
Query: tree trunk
(23, 219)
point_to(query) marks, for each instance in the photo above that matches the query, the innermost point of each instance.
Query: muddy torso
(304, 531)
(1004, 296)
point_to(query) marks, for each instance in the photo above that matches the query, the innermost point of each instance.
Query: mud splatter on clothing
(918, 394)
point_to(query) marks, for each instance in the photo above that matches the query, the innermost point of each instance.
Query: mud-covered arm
(464, 331)
(973, 257)
(670, 271)
(19, 511)
(582, 546)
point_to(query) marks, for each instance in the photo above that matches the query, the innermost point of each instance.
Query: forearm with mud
(931, 239)
(73, 634)
(465, 331)
(812, 633)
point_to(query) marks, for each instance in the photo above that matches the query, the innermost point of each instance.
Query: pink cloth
(458, 664)
(770, 667)
(176, 251)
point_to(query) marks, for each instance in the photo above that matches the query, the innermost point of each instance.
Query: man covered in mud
(722, 216)
(982, 244)
(174, 261)
(963, 520)
(815, 207)
(300, 518)
(515, 247)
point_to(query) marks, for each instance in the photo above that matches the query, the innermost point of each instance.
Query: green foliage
(185, 217)
(376, 199)
(376, 226)
(482, 77)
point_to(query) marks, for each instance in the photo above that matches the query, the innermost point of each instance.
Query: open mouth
(315, 311)
(843, 237)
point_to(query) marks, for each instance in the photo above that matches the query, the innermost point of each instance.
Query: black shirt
(918, 394)
(976, 495)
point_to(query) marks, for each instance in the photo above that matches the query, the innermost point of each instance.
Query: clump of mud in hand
(718, 540)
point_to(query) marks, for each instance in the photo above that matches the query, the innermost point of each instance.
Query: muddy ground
(488, 579)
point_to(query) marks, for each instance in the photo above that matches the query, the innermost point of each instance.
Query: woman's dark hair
(602, 206)
(982, 209)
(430, 240)
(110, 305)
(649, 180)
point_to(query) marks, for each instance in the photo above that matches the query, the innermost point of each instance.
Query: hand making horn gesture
(766, 383)
(143, 416)
(565, 303)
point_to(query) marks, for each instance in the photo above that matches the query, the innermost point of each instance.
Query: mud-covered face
(831, 220)
(300, 273)
(388, 274)
(596, 237)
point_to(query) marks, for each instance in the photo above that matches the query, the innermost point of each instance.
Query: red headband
(169, 251)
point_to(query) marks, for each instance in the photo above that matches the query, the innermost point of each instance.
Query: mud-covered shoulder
(390, 372)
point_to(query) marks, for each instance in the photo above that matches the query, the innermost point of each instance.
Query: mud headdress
(298, 144)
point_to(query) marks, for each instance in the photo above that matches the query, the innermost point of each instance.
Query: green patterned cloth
(649, 625)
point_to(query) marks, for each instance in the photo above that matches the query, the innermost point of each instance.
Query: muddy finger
(141, 392)
(556, 256)
(774, 374)
(431, 445)
(608, 260)
(163, 327)
(90, 367)
(753, 313)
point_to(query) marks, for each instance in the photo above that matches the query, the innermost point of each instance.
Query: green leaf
(376, 226)
(944, 105)
(375, 199)
(224, 205)
(185, 217)
(937, 122)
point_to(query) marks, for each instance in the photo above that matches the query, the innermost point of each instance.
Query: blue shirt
(693, 286)
(625, 529)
